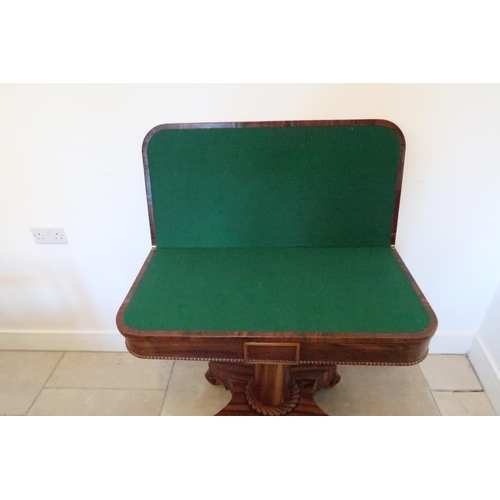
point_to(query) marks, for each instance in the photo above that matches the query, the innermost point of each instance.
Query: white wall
(489, 333)
(70, 155)
(485, 352)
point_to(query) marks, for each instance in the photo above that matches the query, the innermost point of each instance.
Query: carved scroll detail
(217, 376)
(328, 380)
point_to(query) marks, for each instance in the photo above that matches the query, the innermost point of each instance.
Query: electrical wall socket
(49, 235)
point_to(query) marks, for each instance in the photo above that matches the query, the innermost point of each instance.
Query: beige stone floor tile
(110, 370)
(450, 372)
(97, 402)
(463, 403)
(22, 377)
(378, 390)
(189, 393)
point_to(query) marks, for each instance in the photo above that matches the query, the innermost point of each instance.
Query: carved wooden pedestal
(272, 389)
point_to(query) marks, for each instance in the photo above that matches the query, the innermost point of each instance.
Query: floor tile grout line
(458, 390)
(45, 383)
(430, 391)
(436, 403)
(425, 378)
(105, 389)
(166, 388)
(454, 390)
(474, 370)
(76, 387)
(461, 404)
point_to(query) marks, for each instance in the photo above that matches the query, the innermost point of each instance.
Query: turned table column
(271, 390)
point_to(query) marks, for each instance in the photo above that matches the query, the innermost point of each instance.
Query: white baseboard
(55, 341)
(445, 343)
(487, 371)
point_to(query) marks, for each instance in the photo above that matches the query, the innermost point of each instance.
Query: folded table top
(261, 185)
(276, 231)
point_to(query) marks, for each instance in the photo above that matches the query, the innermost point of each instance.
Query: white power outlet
(49, 235)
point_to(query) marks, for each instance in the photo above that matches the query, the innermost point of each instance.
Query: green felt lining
(318, 186)
(276, 289)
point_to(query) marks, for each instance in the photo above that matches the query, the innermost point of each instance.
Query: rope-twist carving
(275, 411)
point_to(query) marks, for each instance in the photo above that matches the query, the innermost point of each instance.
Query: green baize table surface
(329, 290)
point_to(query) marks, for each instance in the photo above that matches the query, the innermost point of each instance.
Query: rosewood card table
(273, 258)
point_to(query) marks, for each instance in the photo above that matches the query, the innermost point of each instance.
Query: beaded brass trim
(318, 363)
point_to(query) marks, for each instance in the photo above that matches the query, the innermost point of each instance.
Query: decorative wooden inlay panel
(271, 352)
